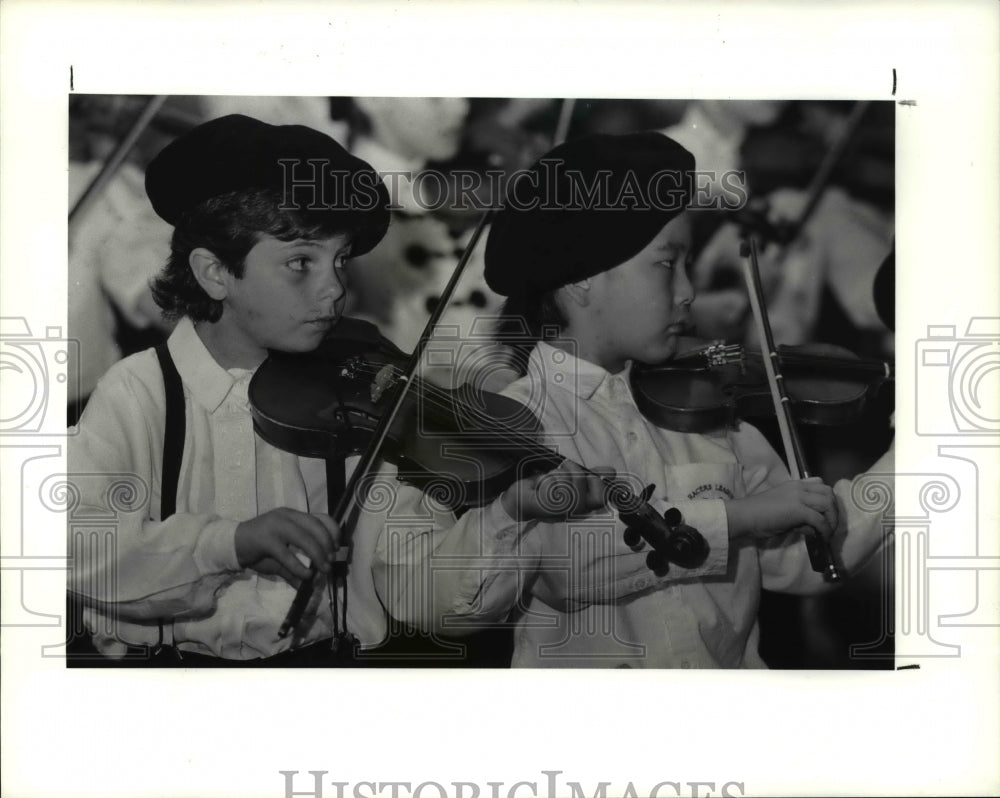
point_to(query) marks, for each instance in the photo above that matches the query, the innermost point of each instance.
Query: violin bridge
(381, 383)
(719, 353)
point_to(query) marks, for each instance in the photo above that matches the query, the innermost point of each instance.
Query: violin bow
(351, 496)
(116, 159)
(820, 553)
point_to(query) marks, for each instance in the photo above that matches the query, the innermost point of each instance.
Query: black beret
(585, 207)
(235, 152)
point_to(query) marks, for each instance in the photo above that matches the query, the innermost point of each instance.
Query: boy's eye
(668, 263)
(300, 264)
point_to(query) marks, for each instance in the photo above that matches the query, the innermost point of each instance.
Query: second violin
(711, 386)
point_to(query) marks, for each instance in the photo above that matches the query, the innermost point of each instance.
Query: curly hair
(229, 225)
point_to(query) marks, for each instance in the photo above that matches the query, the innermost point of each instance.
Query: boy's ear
(211, 275)
(579, 292)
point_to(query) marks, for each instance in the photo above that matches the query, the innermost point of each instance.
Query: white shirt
(615, 613)
(185, 568)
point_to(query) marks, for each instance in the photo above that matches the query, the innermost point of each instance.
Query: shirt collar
(208, 382)
(559, 367)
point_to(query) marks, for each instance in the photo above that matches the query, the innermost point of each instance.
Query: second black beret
(585, 207)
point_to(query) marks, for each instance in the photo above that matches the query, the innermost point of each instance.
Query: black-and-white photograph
(492, 401)
(495, 395)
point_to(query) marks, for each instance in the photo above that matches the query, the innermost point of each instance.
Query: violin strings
(437, 399)
(831, 363)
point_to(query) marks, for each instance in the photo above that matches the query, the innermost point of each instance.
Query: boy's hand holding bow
(789, 507)
(271, 542)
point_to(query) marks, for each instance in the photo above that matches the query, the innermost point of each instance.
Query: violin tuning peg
(673, 517)
(657, 563)
(648, 491)
(631, 537)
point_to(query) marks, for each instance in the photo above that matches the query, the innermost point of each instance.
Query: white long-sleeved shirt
(184, 569)
(577, 595)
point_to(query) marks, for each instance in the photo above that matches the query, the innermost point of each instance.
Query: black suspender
(173, 440)
(173, 434)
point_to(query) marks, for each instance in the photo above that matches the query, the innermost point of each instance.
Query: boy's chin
(306, 341)
(660, 350)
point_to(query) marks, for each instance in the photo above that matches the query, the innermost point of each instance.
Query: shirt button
(632, 437)
(685, 664)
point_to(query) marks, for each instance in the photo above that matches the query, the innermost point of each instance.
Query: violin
(710, 386)
(462, 445)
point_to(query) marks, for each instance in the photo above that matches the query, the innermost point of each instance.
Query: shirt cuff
(709, 517)
(216, 548)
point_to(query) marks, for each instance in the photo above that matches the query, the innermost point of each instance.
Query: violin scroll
(672, 541)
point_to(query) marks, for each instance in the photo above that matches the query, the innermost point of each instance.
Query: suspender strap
(173, 443)
(173, 435)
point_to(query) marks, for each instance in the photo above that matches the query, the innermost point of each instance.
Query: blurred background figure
(819, 285)
(117, 243)
(401, 136)
(714, 131)
(405, 139)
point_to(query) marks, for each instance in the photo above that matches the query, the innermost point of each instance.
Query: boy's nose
(332, 287)
(683, 289)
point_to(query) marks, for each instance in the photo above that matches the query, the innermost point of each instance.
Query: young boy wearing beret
(207, 520)
(591, 250)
